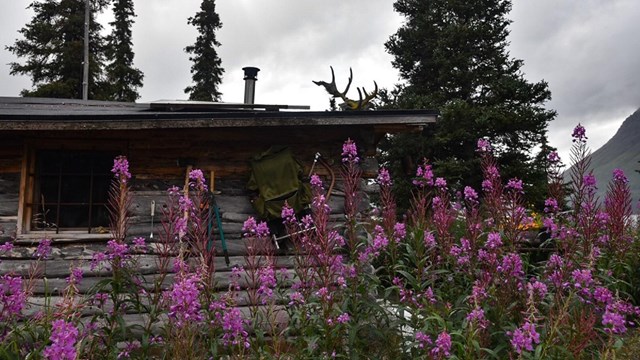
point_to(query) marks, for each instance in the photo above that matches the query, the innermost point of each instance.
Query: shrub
(454, 277)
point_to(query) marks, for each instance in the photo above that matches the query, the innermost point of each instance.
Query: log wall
(158, 159)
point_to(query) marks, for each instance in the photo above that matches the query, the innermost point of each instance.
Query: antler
(363, 104)
(348, 104)
(332, 89)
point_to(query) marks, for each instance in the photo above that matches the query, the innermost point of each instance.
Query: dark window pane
(44, 218)
(76, 163)
(48, 190)
(74, 216)
(101, 186)
(75, 189)
(76, 182)
(100, 216)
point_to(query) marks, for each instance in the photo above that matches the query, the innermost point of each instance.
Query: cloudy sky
(586, 50)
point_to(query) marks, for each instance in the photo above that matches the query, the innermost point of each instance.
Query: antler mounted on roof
(360, 104)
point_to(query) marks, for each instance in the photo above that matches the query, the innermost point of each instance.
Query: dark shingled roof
(68, 114)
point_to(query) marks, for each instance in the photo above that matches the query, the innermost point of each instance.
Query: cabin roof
(34, 114)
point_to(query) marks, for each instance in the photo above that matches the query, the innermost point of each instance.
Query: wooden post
(186, 195)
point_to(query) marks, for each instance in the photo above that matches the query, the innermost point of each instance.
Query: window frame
(29, 179)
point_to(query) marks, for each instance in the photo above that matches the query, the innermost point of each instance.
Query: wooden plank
(56, 286)
(23, 212)
(145, 264)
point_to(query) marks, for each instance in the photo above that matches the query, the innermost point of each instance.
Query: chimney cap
(250, 73)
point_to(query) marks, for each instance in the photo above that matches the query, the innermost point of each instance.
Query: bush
(454, 278)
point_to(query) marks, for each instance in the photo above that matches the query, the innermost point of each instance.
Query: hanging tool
(215, 210)
(153, 212)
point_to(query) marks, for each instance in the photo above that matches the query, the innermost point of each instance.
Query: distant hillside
(622, 151)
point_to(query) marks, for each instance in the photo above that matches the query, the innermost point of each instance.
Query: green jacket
(277, 177)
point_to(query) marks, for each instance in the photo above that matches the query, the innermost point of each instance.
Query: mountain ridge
(622, 151)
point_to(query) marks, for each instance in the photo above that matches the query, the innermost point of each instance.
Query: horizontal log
(222, 281)
(87, 305)
(144, 264)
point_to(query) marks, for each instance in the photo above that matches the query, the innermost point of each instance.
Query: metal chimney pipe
(250, 78)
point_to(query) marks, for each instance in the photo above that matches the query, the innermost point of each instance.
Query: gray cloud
(587, 51)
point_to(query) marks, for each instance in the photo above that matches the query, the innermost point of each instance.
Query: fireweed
(451, 278)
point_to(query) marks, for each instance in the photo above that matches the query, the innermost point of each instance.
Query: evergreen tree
(53, 45)
(206, 70)
(123, 79)
(453, 56)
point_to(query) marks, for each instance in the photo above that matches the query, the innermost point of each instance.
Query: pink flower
(603, 295)
(423, 339)
(589, 180)
(553, 157)
(139, 243)
(429, 240)
(551, 205)
(477, 317)
(44, 249)
(6, 247)
(618, 176)
(350, 152)
(384, 179)
(315, 181)
(296, 298)
(537, 288)
(252, 228)
(288, 214)
(12, 297)
(523, 338)
(443, 345)
(582, 281)
(184, 302)
(63, 340)
(198, 180)
(484, 146)
(121, 168)
(511, 266)
(343, 318)
(97, 259)
(116, 250)
(613, 321)
(128, 349)
(75, 277)
(233, 327)
(493, 241)
(267, 282)
(424, 175)
(399, 232)
(579, 134)
(515, 184)
(470, 194)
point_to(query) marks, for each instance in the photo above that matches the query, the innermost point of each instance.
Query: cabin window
(70, 190)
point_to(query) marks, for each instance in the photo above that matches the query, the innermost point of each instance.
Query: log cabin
(56, 156)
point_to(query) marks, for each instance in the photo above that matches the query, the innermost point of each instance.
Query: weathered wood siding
(158, 160)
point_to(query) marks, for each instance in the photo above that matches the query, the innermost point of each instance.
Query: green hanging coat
(277, 177)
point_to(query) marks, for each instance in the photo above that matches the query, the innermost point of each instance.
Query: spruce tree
(453, 56)
(206, 71)
(52, 46)
(122, 78)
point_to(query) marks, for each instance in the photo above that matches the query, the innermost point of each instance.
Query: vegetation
(206, 70)
(453, 56)
(52, 46)
(53, 43)
(454, 279)
(122, 77)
